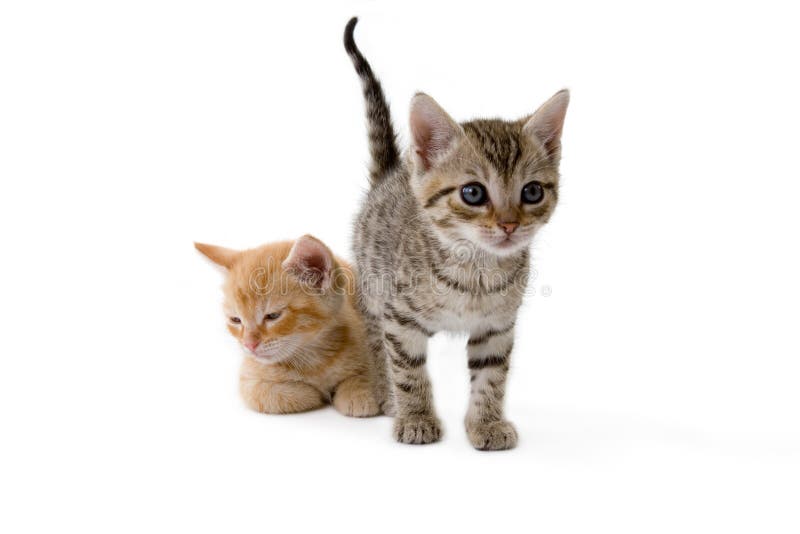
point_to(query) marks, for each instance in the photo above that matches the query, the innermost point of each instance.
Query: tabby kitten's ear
(433, 132)
(547, 122)
(219, 255)
(311, 262)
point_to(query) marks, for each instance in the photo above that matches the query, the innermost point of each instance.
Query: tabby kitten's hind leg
(415, 421)
(489, 352)
(381, 384)
(354, 397)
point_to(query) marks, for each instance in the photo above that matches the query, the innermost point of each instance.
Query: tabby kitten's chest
(465, 297)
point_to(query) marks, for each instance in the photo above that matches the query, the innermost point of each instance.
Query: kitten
(291, 306)
(450, 226)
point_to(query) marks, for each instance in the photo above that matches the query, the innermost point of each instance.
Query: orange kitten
(292, 308)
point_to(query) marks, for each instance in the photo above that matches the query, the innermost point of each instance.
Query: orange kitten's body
(291, 305)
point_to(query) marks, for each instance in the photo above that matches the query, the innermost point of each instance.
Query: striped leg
(489, 352)
(406, 345)
(380, 374)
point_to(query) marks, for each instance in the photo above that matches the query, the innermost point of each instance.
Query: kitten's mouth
(505, 245)
(264, 355)
(505, 242)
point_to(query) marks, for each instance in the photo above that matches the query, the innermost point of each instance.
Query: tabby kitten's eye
(474, 194)
(532, 193)
(235, 320)
(272, 316)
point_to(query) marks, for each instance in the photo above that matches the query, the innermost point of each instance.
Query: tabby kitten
(442, 242)
(291, 306)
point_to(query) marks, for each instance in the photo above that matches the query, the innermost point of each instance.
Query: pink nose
(251, 345)
(508, 227)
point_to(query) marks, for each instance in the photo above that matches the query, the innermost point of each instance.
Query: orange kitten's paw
(494, 436)
(360, 405)
(280, 397)
(354, 398)
(417, 429)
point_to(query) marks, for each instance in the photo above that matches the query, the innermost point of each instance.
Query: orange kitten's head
(278, 297)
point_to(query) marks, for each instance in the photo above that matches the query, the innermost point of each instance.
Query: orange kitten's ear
(433, 132)
(311, 262)
(219, 255)
(548, 121)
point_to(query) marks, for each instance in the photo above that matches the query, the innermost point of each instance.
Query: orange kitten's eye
(272, 316)
(235, 320)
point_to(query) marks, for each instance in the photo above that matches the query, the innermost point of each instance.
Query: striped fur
(429, 262)
(383, 150)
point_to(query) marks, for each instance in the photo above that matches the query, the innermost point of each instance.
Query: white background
(655, 389)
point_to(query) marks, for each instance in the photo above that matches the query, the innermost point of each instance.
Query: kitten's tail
(383, 149)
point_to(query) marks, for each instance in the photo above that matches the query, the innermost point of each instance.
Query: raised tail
(383, 149)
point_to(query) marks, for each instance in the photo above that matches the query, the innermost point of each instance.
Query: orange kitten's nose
(508, 227)
(251, 345)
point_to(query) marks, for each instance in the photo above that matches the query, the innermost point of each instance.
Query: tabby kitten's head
(278, 297)
(492, 183)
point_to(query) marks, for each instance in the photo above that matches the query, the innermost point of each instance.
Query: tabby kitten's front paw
(417, 429)
(494, 436)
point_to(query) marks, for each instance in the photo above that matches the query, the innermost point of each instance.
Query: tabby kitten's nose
(509, 227)
(251, 345)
